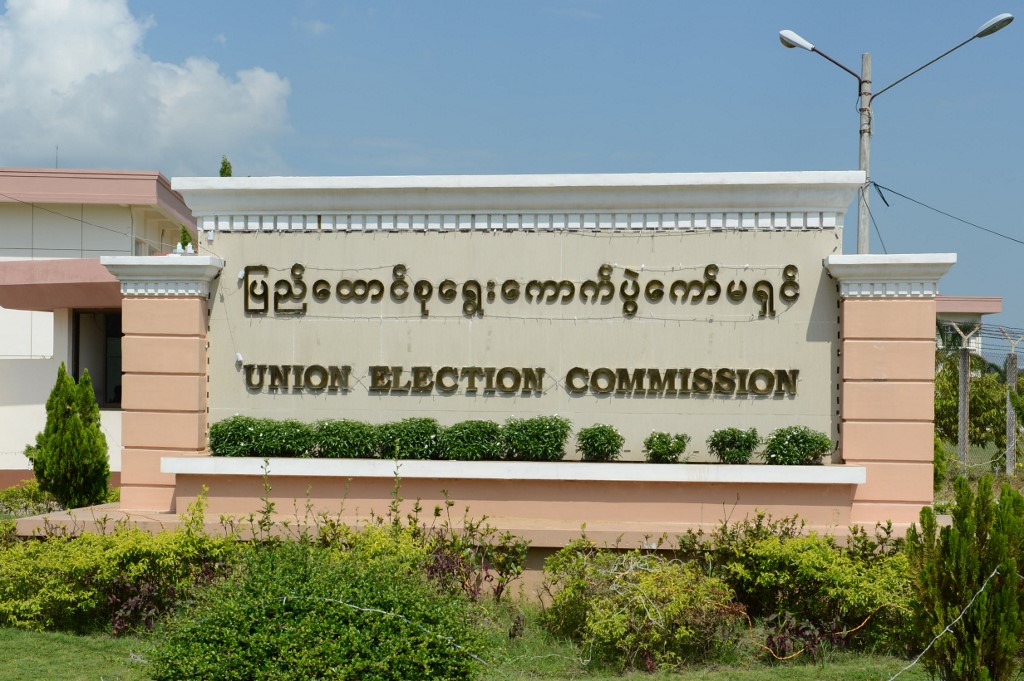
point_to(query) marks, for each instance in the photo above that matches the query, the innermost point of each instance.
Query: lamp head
(994, 24)
(790, 39)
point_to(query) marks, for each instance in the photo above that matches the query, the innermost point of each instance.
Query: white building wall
(33, 344)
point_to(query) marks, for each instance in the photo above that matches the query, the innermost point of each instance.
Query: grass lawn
(31, 656)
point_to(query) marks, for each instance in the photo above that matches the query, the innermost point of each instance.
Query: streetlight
(791, 39)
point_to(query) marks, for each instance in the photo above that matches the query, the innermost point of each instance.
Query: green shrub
(970, 567)
(940, 459)
(472, 441)
(796, 446)
(732, 445)
(541, 438)
(637, 610)
(70, 455)
(293, 610)
(664, 448)
(26, 499)
(94, 582)
(599, 442)
(262, 438)
(345, 439)
(775, 569)
(413, 438)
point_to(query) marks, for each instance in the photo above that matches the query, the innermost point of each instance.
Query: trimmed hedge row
(540, 438)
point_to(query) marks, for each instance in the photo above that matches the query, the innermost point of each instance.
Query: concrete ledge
(518, 470)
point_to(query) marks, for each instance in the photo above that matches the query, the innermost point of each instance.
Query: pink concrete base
(549, 513)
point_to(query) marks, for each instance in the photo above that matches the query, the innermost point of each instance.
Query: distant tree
(225, 167)
(987, 416)
(70, 455)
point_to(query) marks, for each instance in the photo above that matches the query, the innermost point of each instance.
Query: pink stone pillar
(887, 379)
(164, 386)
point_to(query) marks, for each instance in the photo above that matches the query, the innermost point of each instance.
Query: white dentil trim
(889, 276)
(164, 275)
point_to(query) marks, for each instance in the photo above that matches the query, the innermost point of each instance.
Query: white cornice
(516, 470)
(653, 193)
(889, 276)
(164, 275)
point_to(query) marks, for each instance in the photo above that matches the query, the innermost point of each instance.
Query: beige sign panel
(678, 330)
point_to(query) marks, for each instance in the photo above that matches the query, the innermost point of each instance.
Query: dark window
(96, 346)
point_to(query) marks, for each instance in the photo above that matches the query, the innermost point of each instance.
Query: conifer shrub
(796, 446)
(600, 442)
(732, 445)
(412, 438)
(664, 448)
(473, 440)
(971, 567)
(635, 610)
(345, 439)
(295, 610)
(69, 457)
(540, 438)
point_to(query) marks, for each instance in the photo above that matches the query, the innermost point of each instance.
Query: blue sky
(367, 88)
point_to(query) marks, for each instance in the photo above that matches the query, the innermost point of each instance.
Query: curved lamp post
(791, 39)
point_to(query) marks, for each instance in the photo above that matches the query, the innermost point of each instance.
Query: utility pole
(1011, 413)
(964, 397)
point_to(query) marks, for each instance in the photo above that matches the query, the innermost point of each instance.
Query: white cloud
(314, 27)
(75, 75)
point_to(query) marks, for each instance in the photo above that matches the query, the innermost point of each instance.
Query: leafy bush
(414, 438)
(70, 455)
(472, 441)
(796, 446)
(970, 567)
(541, 438)
(94, 582)
(294, 610)
(775, 569)
(248, 436)
(664, 448)
(599, 442)
(732, 445)
(467, 556)
(26, 499)
(345, 439)
(637, 610)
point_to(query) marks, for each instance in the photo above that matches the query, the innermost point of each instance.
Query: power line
(948, 215)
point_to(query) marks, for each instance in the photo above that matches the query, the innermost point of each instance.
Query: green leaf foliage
(599, 442)
(732, 445)
(293, 610)
(635, 610)
(540, 438)
(26, 499)
(472, 440)
(970, 567)
(247, 436)
(345, 439)
(661, 447)
(986, 422)
(184, 237)
(413, 438)
(796, 446)
(103, 582)
(69, 457)
(834, 585)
